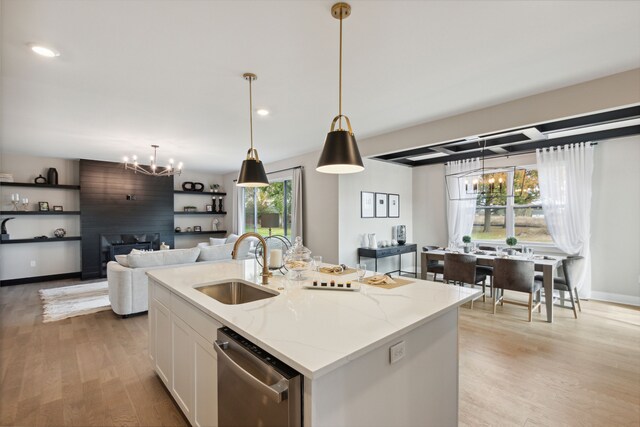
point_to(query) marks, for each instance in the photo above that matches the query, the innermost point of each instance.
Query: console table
(392, 251)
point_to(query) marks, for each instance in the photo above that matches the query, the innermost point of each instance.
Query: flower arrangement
(214, 187)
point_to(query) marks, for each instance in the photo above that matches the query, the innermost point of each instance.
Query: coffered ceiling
(136, 73)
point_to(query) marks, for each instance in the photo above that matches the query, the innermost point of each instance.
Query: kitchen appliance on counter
(255, 388)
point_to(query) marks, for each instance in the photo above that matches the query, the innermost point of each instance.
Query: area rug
(76, 300)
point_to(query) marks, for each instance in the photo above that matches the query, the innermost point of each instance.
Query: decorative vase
(59, 232)
(164, 247)
(364, 243)
(52, 176)
(401, 232)
(373, 242)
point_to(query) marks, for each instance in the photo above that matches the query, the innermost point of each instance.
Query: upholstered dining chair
(461, 269)
(515, 275)
(571, 268)
(433, 266)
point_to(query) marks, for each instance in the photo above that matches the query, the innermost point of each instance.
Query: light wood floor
(93, 370)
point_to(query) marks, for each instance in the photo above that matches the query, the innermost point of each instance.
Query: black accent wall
(114, 200)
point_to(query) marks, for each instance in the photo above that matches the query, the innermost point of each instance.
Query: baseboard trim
(25, 280)
(617, 298)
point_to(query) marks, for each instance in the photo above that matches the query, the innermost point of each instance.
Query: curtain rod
(281, 170)
(506, 155)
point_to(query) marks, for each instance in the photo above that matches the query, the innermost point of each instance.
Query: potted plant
(214, 188)
(511, 241)
(466, 240)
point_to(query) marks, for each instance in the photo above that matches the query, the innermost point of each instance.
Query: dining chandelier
(340, 154)
(252, 172)
(153, 169)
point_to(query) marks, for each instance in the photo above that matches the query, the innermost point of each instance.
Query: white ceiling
(136, 73)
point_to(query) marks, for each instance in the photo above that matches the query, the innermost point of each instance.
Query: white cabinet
(206, 387)
(183, 366)
(181, 350)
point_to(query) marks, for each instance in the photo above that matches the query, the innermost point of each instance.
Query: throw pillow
(216, 253)
(214, 241)
(231, 238)
(122, 260)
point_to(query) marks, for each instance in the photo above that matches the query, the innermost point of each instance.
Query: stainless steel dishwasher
(254, 388)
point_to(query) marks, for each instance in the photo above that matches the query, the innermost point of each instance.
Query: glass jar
(298, 259)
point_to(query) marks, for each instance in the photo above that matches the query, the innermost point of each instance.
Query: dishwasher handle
(277, 391)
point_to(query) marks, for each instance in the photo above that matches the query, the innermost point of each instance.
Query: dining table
(542, 263)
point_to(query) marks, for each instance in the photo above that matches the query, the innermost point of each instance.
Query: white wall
(429, 210)
(51, 257)
(615, 221)
(378, 177)
(320, 204)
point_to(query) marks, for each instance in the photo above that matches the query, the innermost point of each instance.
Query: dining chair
(461, 269)
(515, 275)
(571, 267)
(433, 266)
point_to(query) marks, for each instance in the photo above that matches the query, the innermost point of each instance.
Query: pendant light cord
(251, 113)
(340, 76)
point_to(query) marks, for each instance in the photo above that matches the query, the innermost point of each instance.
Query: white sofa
(127, 278)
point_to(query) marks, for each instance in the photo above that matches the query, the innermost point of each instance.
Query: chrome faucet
(265, 267)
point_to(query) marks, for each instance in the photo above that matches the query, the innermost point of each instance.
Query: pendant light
(340, 154)
(252, 171)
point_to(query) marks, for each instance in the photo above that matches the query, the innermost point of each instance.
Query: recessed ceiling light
(263, 112)
(44, 51)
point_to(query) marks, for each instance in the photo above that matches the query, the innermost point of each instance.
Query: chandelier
(153, 169)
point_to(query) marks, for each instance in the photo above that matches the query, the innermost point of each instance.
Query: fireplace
(121, 244)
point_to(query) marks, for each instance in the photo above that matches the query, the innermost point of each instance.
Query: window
(261, 203)
(498, 216)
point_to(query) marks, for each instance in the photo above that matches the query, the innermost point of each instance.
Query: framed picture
(209, 208)
(43, 206)
(394, 206)
(381, 205)
(197, 228)
(58, 209)
(366, 205)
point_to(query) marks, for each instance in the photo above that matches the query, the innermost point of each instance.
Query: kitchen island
(339, 341)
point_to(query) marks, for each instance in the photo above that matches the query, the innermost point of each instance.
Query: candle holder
(25, 204)
(15, 201)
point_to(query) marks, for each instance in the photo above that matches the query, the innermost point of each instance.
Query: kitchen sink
(235, 292)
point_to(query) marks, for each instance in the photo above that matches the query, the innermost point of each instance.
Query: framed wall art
(367, 207)
(381, 205)
(394, 206)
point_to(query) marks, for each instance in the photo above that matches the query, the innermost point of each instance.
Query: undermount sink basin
(234, 293)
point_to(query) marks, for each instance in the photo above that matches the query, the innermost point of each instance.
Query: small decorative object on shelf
(189, 230)
(187, 186)
(58, 209)
(209, 208)
(197, 228)
(25, 204)
(5, 235)
(401, 234)
(60, 232)
(220, 206)
(52, 176)
(466, 240)
(40, 179)
(198, 186)
(164, 247)
(214, 188)
(42, 206)
(15, 200)
(178, 230)
(214, 224)
(190, 209)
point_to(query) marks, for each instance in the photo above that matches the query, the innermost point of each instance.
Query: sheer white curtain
(461, 209)
(296, 204)
(564, 176)
(238, 203)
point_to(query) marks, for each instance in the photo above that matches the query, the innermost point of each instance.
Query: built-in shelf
(200, 193)
(199, 213)
(50, 239)
(193, 233)
(39, 212)
(47, 186)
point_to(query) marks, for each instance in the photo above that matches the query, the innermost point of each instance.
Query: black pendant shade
(340, 154)
(252, 174)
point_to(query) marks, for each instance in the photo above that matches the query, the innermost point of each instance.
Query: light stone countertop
(315, 331)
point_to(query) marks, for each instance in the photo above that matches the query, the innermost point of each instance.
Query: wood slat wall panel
(106, 210)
